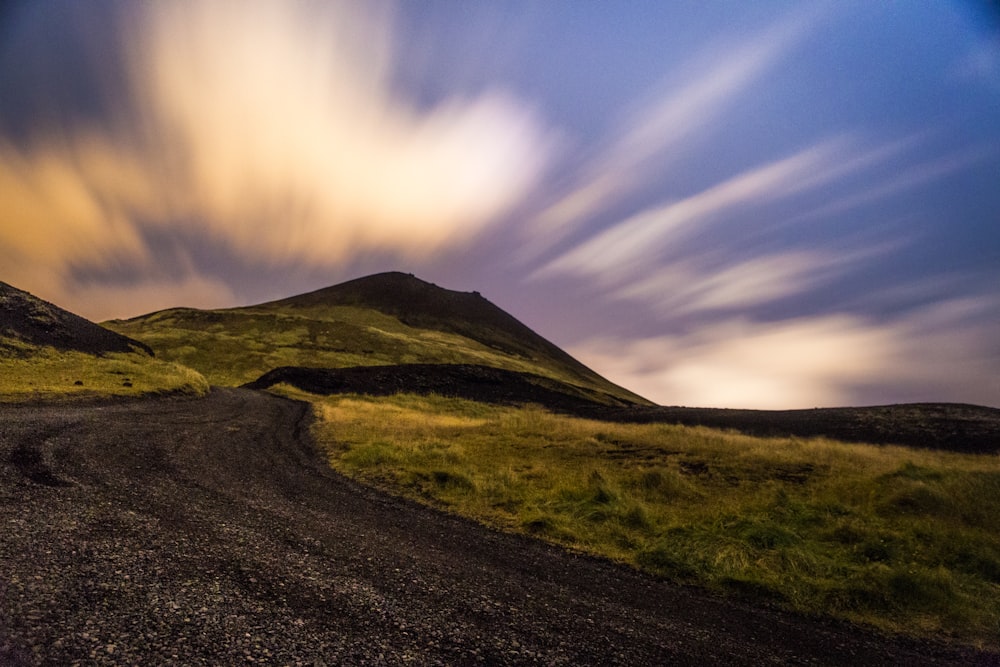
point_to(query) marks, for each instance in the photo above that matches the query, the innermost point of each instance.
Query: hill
(47, 352)
(423, 305)
(29, 322)
(384, 319)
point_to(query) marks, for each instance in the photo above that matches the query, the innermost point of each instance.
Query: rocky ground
(208, 531)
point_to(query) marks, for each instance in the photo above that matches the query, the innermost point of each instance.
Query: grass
(47, 374)
(905, 540)
(236, 346)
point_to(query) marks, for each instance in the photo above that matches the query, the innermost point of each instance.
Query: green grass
(48, 374)
(905, 540)
(236, 346)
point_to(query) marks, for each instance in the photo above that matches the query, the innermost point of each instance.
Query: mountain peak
(420, 304)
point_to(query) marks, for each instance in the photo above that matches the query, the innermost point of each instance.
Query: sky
(713, 203)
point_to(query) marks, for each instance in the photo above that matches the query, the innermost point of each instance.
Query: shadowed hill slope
(477, 383)
(385, 319)
(26, 320)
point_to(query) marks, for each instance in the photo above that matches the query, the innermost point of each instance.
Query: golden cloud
(807, 362)
(272, 128)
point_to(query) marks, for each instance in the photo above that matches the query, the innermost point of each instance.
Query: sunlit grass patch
(45, 374)
(903, 539)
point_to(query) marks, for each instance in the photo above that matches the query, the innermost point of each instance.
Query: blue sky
(729, 204)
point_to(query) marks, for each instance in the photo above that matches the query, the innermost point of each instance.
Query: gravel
(208, 531)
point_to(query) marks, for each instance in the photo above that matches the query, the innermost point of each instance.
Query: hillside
(384, 319)
(47, 352)
(29, 322)
(478, 383)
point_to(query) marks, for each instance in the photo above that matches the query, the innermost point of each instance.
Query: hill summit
(423, 305)
(26, 320)
(380, 320)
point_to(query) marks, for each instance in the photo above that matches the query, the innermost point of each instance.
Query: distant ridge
(27, 320)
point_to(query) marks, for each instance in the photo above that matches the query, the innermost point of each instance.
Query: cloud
(283, 110)
(687, 286)
(831, 360)
(69, 202)
(269, 128)
(662, 123)
(909, 178)
(798, 363)
(105, 302)
(627, 247)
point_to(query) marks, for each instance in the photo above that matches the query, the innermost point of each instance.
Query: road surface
(208, 531)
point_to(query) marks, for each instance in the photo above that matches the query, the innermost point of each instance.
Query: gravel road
(207, 531)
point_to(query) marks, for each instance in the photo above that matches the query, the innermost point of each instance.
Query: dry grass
(906, 540)
(47, 374)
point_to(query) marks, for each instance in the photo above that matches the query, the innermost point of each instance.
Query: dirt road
(208, 531)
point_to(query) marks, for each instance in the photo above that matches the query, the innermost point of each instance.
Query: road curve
(207, 531)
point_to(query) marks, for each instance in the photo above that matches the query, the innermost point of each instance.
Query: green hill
(384, 319)
(47, 352)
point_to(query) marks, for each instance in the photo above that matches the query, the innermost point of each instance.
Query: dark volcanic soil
(970, 429)
(477, 383)
(209, 532)
(949, 426)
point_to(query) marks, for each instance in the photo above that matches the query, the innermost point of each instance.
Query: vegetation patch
(49, 374)
(906, 540)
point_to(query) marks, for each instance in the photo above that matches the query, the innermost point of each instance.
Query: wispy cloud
(688, 286)
(944, 350)
(654, 128)
(273, 129)
(911, 177)
(149, 294)
(627, 247)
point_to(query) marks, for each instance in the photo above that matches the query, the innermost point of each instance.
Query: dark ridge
(420, 304)
(27, 319)
(478, 383)
(953, 427)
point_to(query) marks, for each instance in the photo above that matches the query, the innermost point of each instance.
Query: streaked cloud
(651, 130)
(272, 129)
(628, 246)
(831, 360)
(149, 294)
(737, 363)
(911, 177)
(686, 286)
